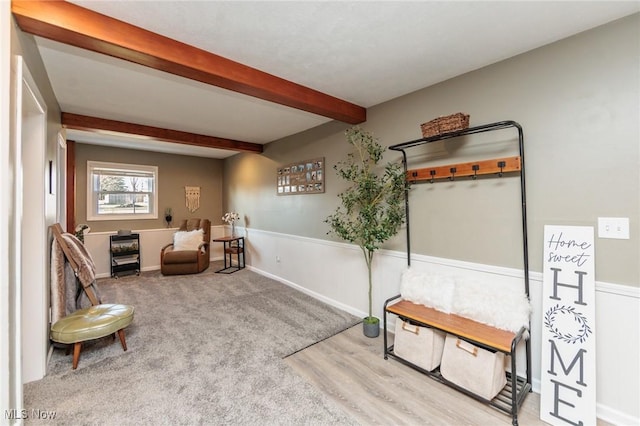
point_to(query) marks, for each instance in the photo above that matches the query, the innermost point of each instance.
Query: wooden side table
(232, 246)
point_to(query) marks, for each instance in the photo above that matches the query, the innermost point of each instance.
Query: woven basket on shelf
(446, 124)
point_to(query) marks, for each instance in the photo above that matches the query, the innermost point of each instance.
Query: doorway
(30, 229)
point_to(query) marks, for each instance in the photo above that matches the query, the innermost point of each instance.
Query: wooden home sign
(302, 177)
(568, 382)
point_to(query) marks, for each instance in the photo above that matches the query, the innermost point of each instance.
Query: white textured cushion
(501, 305)
(432, 290)
(187, 240)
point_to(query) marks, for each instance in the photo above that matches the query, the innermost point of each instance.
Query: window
(121, 191)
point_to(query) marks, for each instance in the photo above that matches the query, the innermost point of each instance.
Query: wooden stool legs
(77, 347)
(122, 341)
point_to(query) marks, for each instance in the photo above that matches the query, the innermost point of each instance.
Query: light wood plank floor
(351, 370)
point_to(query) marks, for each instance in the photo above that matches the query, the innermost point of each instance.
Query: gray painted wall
(174, 173)
(577, 100)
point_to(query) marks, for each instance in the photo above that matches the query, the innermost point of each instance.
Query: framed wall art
(302, 177)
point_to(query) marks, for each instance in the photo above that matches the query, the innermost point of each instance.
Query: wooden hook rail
(473, 169)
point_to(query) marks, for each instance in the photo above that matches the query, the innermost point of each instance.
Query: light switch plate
(613, 227)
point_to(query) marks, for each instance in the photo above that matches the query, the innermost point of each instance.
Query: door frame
(30, 223)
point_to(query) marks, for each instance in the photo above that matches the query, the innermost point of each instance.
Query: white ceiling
(363, 52)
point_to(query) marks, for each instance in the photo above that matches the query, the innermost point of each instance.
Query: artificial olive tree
(372, 208)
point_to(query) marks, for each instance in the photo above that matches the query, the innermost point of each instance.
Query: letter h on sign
(557, 284)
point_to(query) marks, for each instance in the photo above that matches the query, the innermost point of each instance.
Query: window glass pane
(119, 183)
(123, 203)
(121, 191)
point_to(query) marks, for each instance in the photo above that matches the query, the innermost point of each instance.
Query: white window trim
(92, 214)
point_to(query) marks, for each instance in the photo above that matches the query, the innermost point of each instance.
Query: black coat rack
(497, 167)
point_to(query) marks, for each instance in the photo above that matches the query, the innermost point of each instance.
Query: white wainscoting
(336, 274)
(151, 242)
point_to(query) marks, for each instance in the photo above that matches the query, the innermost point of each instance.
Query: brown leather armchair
(179, 262)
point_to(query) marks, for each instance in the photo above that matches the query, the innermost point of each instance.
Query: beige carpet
(203, 349)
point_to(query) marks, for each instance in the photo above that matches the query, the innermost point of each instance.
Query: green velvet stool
(92, 323)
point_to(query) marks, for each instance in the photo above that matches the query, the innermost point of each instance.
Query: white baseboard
(315, 295)
(151, 268)
(615, 417)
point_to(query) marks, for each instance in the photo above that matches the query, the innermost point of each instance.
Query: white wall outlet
(277, 259)
(613, 227)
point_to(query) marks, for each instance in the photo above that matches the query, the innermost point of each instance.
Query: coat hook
(453, 174)
(432, 173)
(501, 164)
(475, 169)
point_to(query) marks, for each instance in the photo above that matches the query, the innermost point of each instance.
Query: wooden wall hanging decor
(192, 198)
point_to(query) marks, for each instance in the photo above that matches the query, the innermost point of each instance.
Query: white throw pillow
(187, 240)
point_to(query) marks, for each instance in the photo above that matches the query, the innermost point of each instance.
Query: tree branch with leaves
(372, 208)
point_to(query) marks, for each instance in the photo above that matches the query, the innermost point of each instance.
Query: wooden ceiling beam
(98, 125)
(74, 25)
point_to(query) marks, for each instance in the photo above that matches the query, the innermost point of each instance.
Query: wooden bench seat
(455, 324)
(513, 394)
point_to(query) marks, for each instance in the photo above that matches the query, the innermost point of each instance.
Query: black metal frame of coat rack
(498, 166)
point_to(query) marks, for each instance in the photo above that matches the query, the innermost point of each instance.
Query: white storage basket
(421, 346)
(475, 369)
